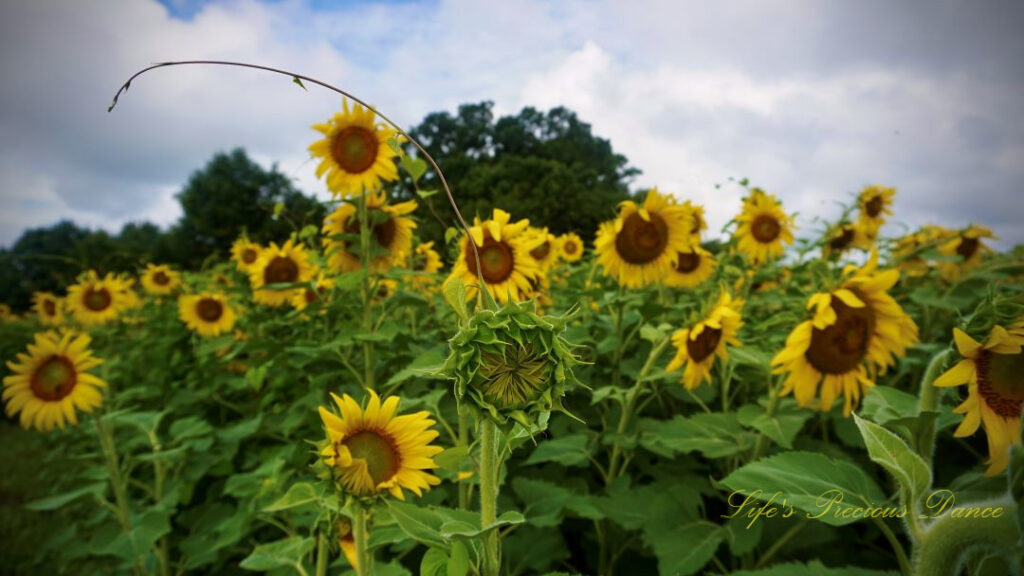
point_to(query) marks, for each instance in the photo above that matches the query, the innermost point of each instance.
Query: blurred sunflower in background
(285, 264)
(372, 450)
(208, 314)
(505, 262)
(698, 345)
(94, 300)
(160, 280)
(764, 228)
(317, 293)
(873, 203)
(427, 262)
(694, 266)
(843, 237)
(641, 246)
(391, 232)
(570, 246)
(856, 332)
(699, 223)
(245, 253)
(907, 249)
(968, 246)
(52, 380)
(354, 153)
(994, 374)
(48, 308)
(546, 254)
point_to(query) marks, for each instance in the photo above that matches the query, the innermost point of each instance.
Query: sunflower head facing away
(642, 245)
(48, 308)
(874, 202)
(506, 264)
(372, 450)
(570, 246)
(511, 364)
(160, 280)
(52, 380)
(994, 374)
(764, 228)
(245, 253)
(94, 300)
(694, 266)
(856, 332)
(391, 235)
(208, 314)
(699, 344)
(354, 153)
(967, 247)
(285, 264)
(844, 237)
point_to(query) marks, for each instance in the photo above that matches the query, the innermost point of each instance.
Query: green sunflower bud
(511, 364)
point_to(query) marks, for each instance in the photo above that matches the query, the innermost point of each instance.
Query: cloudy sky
(811, 100)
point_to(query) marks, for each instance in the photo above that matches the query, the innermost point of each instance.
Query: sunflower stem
(489, 463)
(360, 535)
(948, 539)
(463, 441)
(894, 542)
(928, 401)
(321, 552)
(773, 407)
(117, 483)
(632, 395)
(364, 253)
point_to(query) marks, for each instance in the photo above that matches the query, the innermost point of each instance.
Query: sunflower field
(652, 397)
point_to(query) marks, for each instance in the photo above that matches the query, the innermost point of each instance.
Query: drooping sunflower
(160, 280)
(764, 227)
(505, 262)
(372, 450)
(907, 248)
(642, 245)
(874, 202)
(856, 332)
(994, 374)
(546, 254)
(48, 308)
(208, 314)
(52, 380)
(94, 300)
(317, 293)
(392, 232)
(285, 264)
(354, 153)
(245, 253)
(693, 268)
(843, 237)
(968, 246)
(698, 345)
(570, 246)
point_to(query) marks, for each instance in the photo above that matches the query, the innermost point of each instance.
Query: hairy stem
(489, 464)
(360, 535)
(945, 542)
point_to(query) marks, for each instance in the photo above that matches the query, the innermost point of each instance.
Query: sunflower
(5, 313)
(209, 314)
(354, 152)
(874, 202)
(160, 280)
(843, 237)
(392, 232)
(906, 249)
(372, 450)
(763, 227)
(49, 308)
(94, 300)
(52, 380)
(546, 254)
(994, 374)
(698, 345)
(426, 261)
(967, 245)
(285, 264)
(570, 246)
(693, 267)
(642, 245)
(316, 293)
(856, 332)
(245, 253)
(700, 224)
(506, 265)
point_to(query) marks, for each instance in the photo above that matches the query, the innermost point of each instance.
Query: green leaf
(426, 365)
(458, 561)
(416, 167)
(823, 488)
(715, 435)
(890, 452)
(297, 495)
(686, 549)
(455, 295)
(426, 193)
(286, 552)
(567, 450)
(461, 529)
(546, 502)
(781, 428)
(452, 458)
(434, 563)
(298, 81)
(813, 568)
(54, 502)
(421, 524)
(395, 147)
(884, 403)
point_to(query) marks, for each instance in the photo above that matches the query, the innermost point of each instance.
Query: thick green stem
(117, 483)
(322, 546)
(361, 537)
(489, 464)
(627, 410)
(945, 542)
(928, 401)
(365, 230)
(773, 407)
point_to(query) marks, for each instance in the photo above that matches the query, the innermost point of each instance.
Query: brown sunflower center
(1001, 382)
(382, 459)
(569, 247)
(967, 247)
(281, 270)
(384, 232)
(54, 379)
(50, 307)
(844, 239)
(496, 260)
(541, 252)
(97, 300)
(703, 345)
(161, 279)
(874, 206)
(841, 347)
(209, 309)
(641, 241)
(688, 262)
(355, 149)
(765, 228)
(249, 255)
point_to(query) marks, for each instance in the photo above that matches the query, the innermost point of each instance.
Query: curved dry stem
(302, 77)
